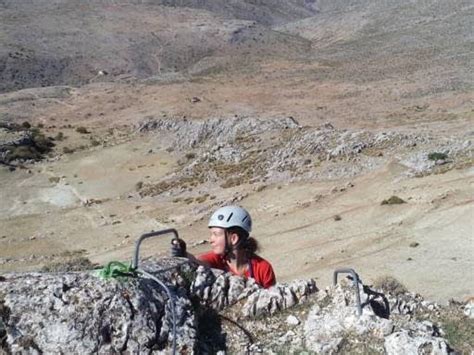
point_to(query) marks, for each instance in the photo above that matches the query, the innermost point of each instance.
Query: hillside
(308, 113)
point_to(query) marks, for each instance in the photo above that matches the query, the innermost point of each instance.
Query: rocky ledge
(79, 312)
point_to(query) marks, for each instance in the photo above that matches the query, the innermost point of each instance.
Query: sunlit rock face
(79, 312)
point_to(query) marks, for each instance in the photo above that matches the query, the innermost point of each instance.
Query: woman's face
(217, 240)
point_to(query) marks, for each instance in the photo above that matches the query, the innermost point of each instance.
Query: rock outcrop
(240, 150)
(78, 312)
(20, 143)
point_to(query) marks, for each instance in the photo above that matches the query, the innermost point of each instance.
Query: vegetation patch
(22, 153)
(202, 198)
(394, 200)
(30, 144)
(59, 137)
(232, 182)
(459, 331)
(26, 125)
(190, 156)
(458, 327)
(82, 130)
(437, 156)
(188, 200)
(389, 284)
(353, 343)
(244, 139)
(153, 189)
(76, 263)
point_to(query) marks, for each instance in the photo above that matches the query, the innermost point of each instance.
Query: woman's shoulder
(258, 260)
(263, 272)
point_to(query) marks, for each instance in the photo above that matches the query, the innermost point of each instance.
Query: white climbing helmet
(231, 216)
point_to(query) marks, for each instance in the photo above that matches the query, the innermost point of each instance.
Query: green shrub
(35, 130)
(459, 331)
(82, 130)
(190, 156)
(42, 143)
(23, 152)
(437, 156)
(33, 149)
(394, 200)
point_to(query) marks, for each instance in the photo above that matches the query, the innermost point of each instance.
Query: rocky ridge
(240, 150)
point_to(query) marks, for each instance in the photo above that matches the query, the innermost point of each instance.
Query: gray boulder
(404, 342)
(79, 313)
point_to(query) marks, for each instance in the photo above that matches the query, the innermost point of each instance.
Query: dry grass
(232, 182)
(459, 331)
(389, 284)
(188, 200)
(77, 263)
(202, 198)
(185, 182)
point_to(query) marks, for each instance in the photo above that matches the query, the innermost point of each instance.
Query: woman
(233, 250)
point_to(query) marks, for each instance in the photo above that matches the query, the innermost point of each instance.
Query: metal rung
(355, 279)
(146, 236)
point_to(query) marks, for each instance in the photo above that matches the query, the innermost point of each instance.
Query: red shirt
(261, 270)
